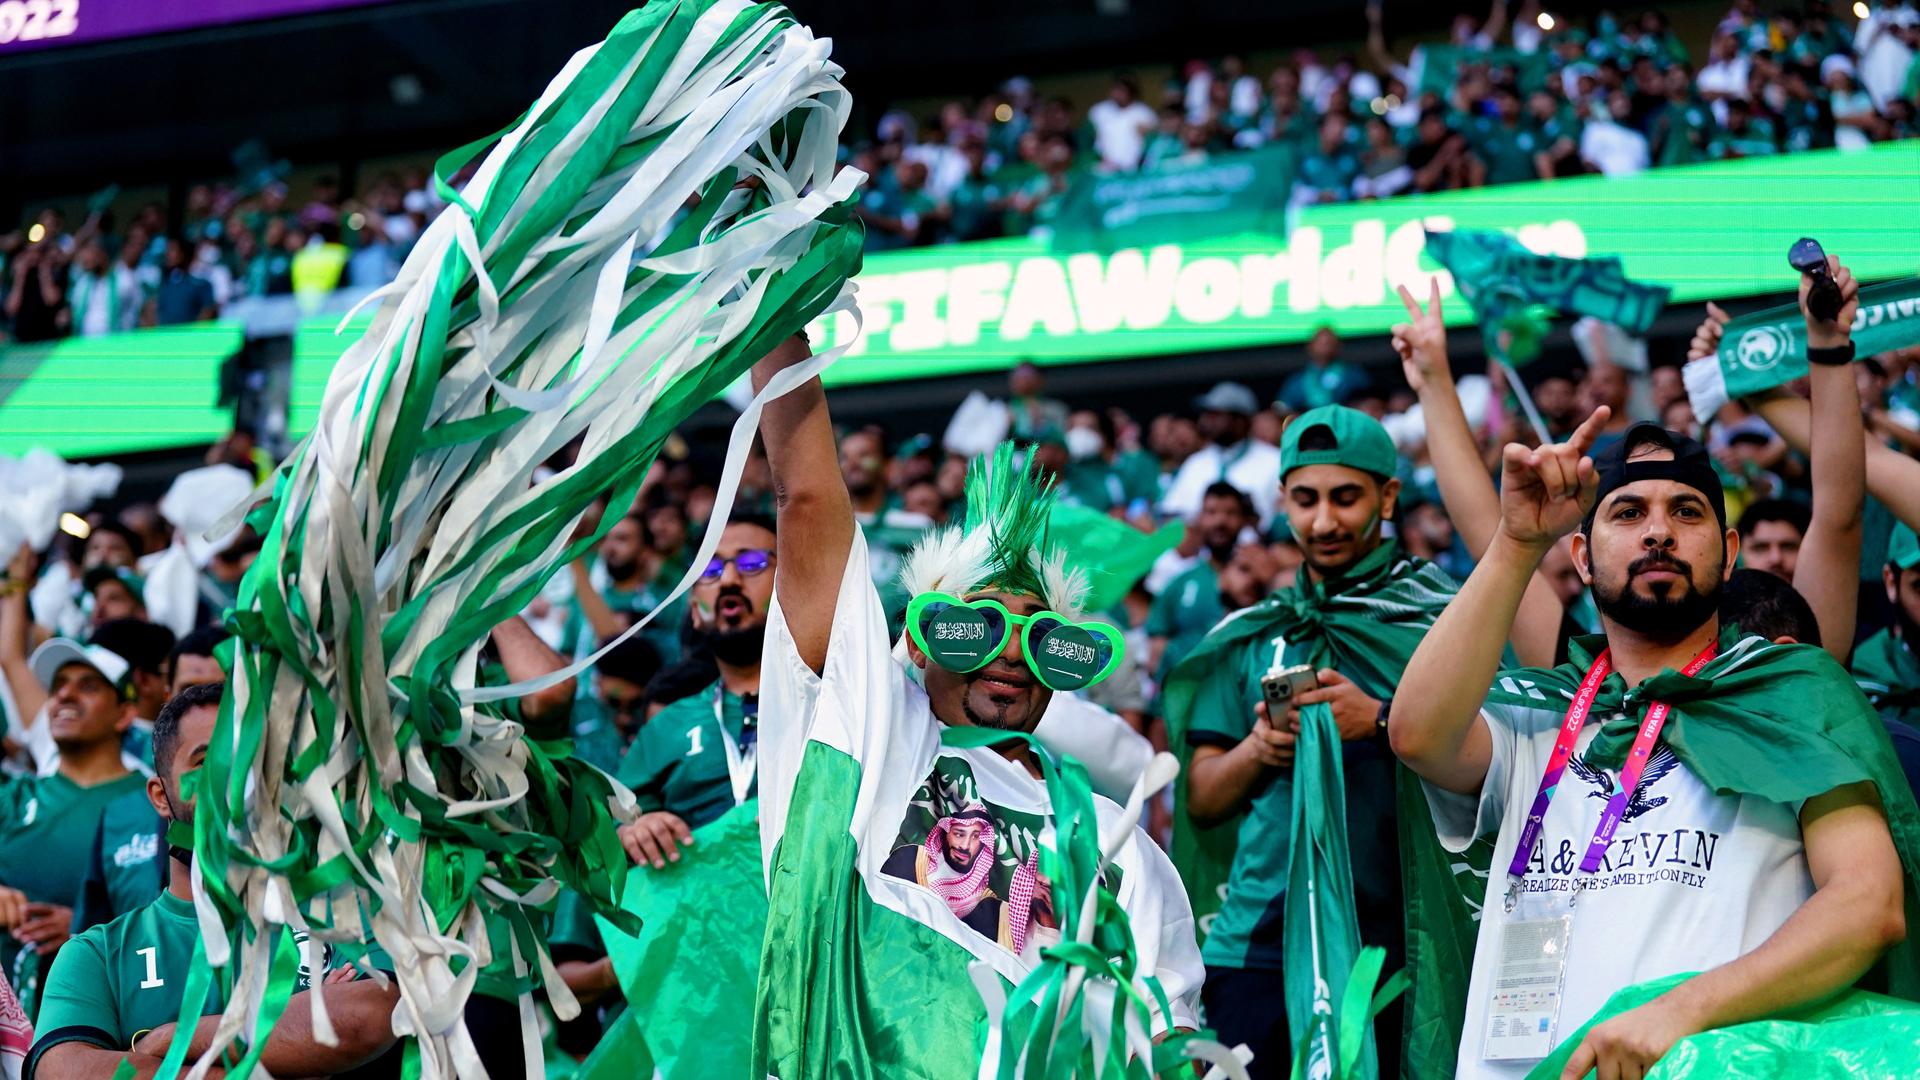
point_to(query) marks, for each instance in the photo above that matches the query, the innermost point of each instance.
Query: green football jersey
(678, 762)
(116, 982)
(128, 865)
(46, 844)
(1184, 611)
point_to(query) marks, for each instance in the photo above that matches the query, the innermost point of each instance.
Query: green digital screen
(1710, 231)
(117, 394)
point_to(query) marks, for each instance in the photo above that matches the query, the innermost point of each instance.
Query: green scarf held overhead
(1783, 723)
(1366, 626)
(662, 217)
(1769, 348)
(1887, 672)
(1498, 277)
(1853, 1034)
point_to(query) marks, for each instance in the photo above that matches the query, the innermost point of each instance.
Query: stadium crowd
(1508, 98)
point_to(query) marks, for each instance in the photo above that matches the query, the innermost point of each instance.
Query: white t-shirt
(1723, 77)
(1120, 131)
(1691, 881)
(1250, 465)
(865, 705)
(1614, 149)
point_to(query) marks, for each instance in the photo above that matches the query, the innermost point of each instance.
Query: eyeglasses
(965, 635)
(749, 562)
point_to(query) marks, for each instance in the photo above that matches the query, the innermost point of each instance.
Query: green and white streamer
(1086, 1010)
(362, 786)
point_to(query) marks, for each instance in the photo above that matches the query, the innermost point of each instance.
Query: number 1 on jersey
(693, 742)
(153, 969)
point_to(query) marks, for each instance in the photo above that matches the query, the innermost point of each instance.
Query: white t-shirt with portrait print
(1692, 880)
(865, 705)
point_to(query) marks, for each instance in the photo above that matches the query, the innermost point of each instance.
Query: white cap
(48, 659)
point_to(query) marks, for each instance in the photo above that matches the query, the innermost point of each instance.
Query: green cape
(1779, 722)
(1889, 674)
(1365, 625)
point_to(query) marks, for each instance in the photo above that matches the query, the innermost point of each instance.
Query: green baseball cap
(1903, 548)
(1358, 442)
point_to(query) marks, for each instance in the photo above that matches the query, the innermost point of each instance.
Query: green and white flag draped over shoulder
(1769, 348)
(361, 785)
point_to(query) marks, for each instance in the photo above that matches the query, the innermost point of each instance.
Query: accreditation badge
(1529, 976)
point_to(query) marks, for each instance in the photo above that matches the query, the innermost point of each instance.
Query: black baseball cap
(1691, 465)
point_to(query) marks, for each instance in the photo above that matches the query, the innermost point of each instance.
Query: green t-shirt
(46, 843)
(1093, 484)
(678, 762)
(1508, 152)
(128, 867)
(1680, 133)
(116, 982)
(663, 633)
(596, 738)
(1757, 141)
(1329, 176)
(1247, 931)
(1183, 613)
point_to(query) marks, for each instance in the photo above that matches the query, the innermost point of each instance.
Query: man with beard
(1730, 801)
(954, 861)
(115, 992)
(857, 734)
(1358, 608)
(1189, 605)
(1887, 665)
(609, 597)
(694, 760)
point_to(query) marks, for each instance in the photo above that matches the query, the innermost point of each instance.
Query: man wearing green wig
(904, 859)
(1246, 828)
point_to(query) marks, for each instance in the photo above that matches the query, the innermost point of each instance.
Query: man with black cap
(1231, 455)
(1680, 797)
(1354, 617)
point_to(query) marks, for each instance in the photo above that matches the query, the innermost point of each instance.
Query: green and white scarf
(1769, 348)
(1366, 626)
(361, 785)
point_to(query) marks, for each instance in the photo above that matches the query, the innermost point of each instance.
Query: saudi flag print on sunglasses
(965, 635)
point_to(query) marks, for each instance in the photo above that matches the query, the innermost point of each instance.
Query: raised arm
(525, 657)
(1435, 725)
(1377, 41)
(1465, 488)
(16, 637)
(815, 514)
(1828, 570)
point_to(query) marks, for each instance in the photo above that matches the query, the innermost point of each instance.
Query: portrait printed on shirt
(981, 859)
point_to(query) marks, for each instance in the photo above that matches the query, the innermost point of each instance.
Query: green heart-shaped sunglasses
(965, 635)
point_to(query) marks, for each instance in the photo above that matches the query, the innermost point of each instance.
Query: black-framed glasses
(749, 562)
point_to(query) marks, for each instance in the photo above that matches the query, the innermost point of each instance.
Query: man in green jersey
(116, 991)
(50, 821)
(1189, 605)
(1887, 665)
(129, 863)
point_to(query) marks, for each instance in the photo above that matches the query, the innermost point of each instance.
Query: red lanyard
(1636, 764)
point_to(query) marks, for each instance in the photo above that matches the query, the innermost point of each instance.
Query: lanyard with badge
(1530, 971)
(740, 755)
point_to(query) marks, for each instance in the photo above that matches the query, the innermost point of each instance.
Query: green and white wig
(1003, 543)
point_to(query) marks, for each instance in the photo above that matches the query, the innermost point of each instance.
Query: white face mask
(1084, 443)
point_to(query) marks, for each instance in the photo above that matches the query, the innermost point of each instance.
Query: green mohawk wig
(1003, 543)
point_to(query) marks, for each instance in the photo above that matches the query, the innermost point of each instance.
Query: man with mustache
(1887, 665)
(853, 736)
(1354, 615)
(1189, 605)
(1735, 807)
(694, 760)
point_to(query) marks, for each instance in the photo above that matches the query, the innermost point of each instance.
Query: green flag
(697, 955)
(1854, 1034)
(1499, 277)
(1366, 626)
(1220, 193)
(1769, 348)
(1113, 553)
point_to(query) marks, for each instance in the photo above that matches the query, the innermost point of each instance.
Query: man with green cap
(1354, 617)
(1887, 665)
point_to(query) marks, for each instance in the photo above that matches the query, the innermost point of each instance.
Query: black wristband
(1380, 721)
(1837, 356)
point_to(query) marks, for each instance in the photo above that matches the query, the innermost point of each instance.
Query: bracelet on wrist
(1831, 355)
